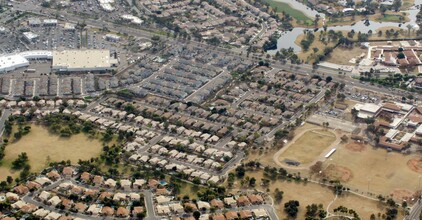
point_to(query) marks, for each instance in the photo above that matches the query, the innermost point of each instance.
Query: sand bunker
(415, 165)
(341, 173)
(356, 147)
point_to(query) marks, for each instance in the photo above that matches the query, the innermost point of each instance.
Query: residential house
(98, 180)
(255, 199)
(153, 183)
(231, 215)
(85, 177)
(218, 216)
(137, 210)
(122, 212)
(107, 211)
(53, 175)
(139, 183)
(55, 200)
(110, 183)
(203, 205)
(218, 204)
(44, 196)
(230, 201)
(68, 172)
(80, 207)
(21, 189)
(190, 206)
(243, 201)
(126, 184)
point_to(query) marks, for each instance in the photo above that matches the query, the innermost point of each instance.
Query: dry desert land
(39, 144)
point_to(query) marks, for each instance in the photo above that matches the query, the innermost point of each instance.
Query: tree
(409, 28)
(9, 179)
(329, 79)
(404, 204)
(291, 207)
(196, 214)
(278, 195)
(315, 211)
(383, 9)
(20, 162)
(155, 38)
(396, 5)
(401, 55)
(316, 168)
(240, 171)
(252, 182)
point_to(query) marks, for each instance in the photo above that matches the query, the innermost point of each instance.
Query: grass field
(300, 17)
(372, 168)
(390, 18)
(309, 146)
(406, 4)
(39, 144)
(308, 193)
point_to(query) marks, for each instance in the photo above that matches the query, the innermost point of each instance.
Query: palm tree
(409, 28)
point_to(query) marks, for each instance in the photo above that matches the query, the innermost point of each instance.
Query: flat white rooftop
(11, 62)
(82, 59)
(369, 107)
(391, 133)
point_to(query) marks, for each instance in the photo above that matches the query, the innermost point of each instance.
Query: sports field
(308, 146)
(365, 168)
(41, 146)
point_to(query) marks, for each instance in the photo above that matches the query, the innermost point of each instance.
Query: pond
(287, 38)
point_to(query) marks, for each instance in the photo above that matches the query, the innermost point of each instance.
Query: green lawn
(298, 15)
(390, 18)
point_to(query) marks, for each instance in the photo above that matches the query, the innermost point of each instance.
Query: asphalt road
(415, 211)
(149, 204)
(4, 116)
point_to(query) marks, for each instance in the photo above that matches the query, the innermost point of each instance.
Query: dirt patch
(356, 147)
(402, 194)
(415, 165)
(335, 172)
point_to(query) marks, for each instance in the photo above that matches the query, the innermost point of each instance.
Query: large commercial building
(11, 62)
(62, 61)
(83, 60)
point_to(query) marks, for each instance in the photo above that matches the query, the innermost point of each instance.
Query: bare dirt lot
(341, 173)
(415, 165)
(342, 55)
(356, 146)
(308, 146)
(40, 145)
